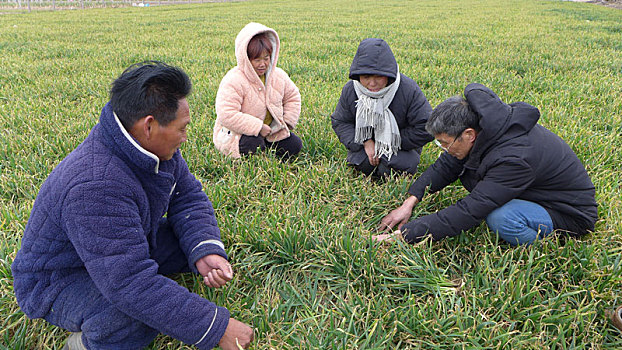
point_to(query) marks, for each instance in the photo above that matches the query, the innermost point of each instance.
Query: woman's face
(261, 63)
(373, 83)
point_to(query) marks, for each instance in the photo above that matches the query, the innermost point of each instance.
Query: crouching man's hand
(237, 336)
(215, 269)
(398, 216)
(388, 237)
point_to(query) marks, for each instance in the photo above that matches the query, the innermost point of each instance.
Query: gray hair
(452, 117)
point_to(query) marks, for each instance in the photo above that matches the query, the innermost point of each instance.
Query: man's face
(457, 146)
(167, 139)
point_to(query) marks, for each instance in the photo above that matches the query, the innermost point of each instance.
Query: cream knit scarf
(375, 120)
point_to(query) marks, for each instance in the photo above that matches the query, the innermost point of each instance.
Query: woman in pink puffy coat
(257, 104)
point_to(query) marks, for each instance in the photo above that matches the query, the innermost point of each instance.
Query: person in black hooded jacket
(523, 180)
(381, 114)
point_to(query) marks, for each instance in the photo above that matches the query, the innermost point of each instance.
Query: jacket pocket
(224, 136)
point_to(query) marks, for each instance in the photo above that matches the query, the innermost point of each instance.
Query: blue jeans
(520, 222)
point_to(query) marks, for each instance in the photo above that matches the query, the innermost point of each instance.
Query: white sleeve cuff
(209, 241)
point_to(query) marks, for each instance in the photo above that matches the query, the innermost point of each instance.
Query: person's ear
(148, 124)
(470, 134)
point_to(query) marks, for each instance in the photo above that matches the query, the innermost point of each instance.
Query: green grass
(298, 233)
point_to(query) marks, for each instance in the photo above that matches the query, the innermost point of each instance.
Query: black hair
(149, 88)
(452, 117)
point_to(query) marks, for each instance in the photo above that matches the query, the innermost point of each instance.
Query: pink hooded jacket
(242, 99)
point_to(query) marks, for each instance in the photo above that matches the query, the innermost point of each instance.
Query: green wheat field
(307, 275)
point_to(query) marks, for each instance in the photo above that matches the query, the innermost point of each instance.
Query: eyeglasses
(438, 143)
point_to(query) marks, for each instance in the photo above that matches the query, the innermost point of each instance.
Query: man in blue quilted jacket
(116, 216)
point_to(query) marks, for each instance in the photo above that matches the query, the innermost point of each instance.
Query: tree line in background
(30, 5)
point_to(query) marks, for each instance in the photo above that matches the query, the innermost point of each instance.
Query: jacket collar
(120, 140)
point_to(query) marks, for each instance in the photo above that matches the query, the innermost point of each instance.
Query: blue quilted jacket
(97, 214)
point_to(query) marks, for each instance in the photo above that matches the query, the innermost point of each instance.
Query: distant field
(298, 234)
(16, 6)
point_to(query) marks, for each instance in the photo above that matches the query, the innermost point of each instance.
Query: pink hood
(241, 47)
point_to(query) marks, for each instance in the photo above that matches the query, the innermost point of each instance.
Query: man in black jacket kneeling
(525, 181)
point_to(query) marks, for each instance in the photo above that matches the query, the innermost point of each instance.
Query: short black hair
(149, 88)
(452, 117)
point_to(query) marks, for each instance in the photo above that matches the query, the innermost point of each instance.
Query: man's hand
(370, 150)
(265, 130)
(215, 269)
(388, 237)
(237, 336)
(398, 216)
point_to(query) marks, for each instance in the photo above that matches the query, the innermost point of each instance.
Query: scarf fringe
(374, 119)
(388, 151)
(363, 134)
(381, 148)
(364, 108)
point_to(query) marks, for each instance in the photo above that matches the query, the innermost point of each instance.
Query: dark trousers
(82, 308)
(285, 148)
(402, 162)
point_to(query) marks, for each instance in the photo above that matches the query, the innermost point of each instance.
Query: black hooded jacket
(512, 157)
(409, 106)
